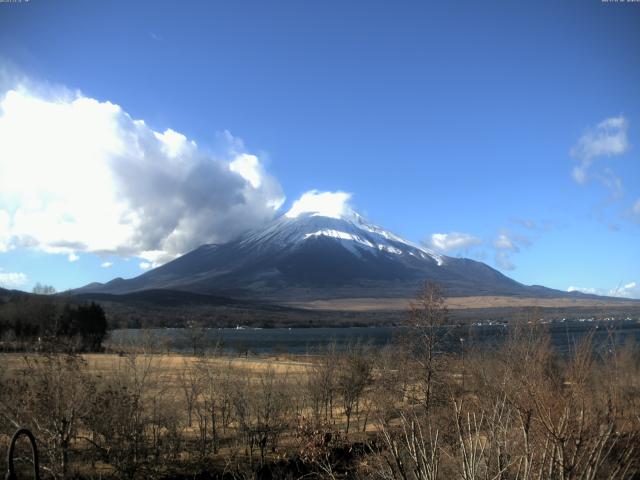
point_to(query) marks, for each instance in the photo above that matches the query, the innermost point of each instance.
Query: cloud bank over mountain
(81, 175)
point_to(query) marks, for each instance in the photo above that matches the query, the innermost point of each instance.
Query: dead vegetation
(407, 411)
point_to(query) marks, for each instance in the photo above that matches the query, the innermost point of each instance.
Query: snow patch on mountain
(390, 249)
(341, 235)
(353, 228)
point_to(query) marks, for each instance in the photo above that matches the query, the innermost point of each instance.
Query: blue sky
(504, 131)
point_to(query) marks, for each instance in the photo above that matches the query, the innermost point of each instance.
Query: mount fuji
(317, 251)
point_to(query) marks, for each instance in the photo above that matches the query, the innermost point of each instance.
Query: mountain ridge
(319, 255)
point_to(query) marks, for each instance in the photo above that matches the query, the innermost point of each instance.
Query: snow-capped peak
(328, 214)
(323, 204)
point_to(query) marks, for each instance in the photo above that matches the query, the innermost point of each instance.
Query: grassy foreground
(406, 411)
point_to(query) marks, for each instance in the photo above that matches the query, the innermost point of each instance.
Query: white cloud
(106, 264)
(608, 138)
(4, 230)
(526, 223)
(72, 257)
(328, 204)
(80, 175)
(445, 242)
(248, 166)
(579, 174)
(145, 265)
(504, 242)
(532, 225)
(504, 245)
(507, 240)
(611, 181)
(12, 279)
(503, 261)
(628, 290)
(154, 258)
(632, 213)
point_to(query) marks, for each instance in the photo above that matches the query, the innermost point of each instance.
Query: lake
(564, 336)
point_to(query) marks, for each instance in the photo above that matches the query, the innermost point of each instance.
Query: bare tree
(262, 412)
(354, 376)
(317, 444)
(392, 381)
(189, 380)
(225, 389)
(321, 385)
(426, 329)
(121, 413)
(195, 334)
(55, 390)
(42, 289)
(413, 449)
(213, 404)
(545, 417)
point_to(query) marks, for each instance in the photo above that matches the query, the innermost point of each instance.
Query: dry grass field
(406, 411)
(166, 368)
(459, 303)
(190, 392)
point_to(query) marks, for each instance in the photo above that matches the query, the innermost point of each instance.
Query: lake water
(564, 336)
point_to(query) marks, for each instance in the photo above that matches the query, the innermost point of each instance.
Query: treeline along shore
(39, 322)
